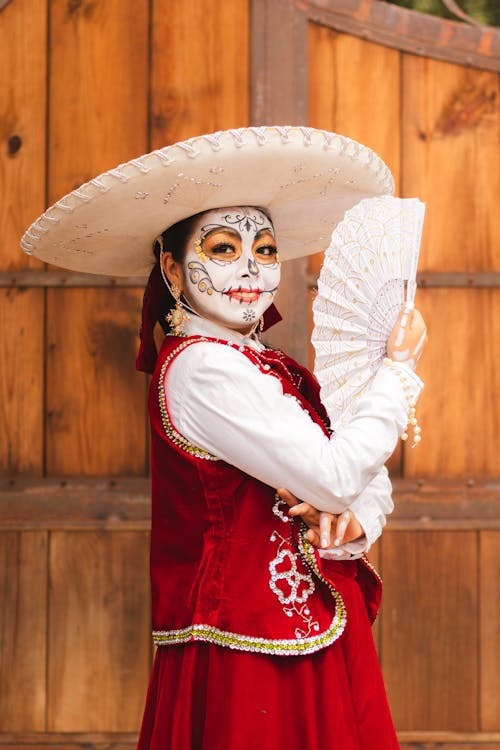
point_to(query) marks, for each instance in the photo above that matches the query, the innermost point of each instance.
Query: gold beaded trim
(278, 646)
(368, 564)
(176, 438)
(305, 549)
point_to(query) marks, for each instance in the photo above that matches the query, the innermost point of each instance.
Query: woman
(230, 421)
(262, 642)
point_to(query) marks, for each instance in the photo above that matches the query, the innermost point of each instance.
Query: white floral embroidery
(291, 586)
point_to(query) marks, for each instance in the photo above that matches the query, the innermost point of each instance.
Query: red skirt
(207, 697)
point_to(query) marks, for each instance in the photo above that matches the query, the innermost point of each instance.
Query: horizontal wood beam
(430, 740)
(123, 503)
(408, 30)
(27, 278)
(445, 280)
(69, 740)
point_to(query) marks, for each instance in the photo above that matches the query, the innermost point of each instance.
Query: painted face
(231, 268)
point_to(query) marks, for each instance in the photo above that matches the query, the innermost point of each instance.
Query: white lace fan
(368, 273)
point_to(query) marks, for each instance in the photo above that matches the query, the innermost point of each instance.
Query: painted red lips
(244, 295)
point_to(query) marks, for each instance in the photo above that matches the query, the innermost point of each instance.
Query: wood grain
(451, 128)
(22, 125)
(98, 88)
(99, 639)
(354, 89)
(460, 372)
(200, 71)
(429, 629)
(23, 622)
(96, 420)
(489, 586)
(21, 381)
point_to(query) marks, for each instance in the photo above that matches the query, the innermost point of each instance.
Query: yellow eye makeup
(219, 245)
(264, 249)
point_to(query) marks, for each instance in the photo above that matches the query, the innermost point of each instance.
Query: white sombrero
(305, 178)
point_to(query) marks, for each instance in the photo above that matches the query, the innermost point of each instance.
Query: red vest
(228, 565)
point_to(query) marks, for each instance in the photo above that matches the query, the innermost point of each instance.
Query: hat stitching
(347, 147)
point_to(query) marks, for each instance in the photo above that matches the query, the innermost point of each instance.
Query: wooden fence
(90, 83)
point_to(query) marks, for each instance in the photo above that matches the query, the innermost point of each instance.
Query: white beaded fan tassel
(412, 405)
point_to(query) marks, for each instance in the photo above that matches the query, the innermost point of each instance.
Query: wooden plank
(123, 503)
(354, 89)
(447, 740)
(22, 125)
(67, 279)
(95, 399)
(451, 130)
(279, 95)
(21, 381)
(99, 117)
(200, 72)
(429, 630)
(98, 88)
(459, 369)
(69, 741)
(484, 280)
(99, 638)
(23, 622)
(413, 31)
(279, 62)
(489, 587)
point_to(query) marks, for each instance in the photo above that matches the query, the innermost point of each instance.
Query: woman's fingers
(287, 496)
(342, 524)
(325, 527)
(407, 340)
(313, 537)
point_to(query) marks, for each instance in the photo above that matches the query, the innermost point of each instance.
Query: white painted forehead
(242, 218)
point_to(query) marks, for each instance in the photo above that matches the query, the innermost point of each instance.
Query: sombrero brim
(305, 178)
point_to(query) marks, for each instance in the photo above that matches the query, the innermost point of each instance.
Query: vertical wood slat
(200, 69)
(23, 624)
(22, 189)
(460, 372)
(429, 629)
(98, 88)
(99, 639)
(95, 399)
(21, 381)
(22, 125)
(354, 89)
(99, 117)
(489, 638)
(451, 130)
(278, 97)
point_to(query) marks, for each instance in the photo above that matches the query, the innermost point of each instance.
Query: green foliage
(484, 11)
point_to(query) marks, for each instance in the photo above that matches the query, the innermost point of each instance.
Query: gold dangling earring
(260, 327)
(176, 317)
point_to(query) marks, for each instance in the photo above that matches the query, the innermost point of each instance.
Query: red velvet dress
(261, 644)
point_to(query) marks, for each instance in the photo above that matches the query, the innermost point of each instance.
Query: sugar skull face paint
(231, 267)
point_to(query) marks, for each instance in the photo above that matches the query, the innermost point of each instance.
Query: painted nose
(250, 269)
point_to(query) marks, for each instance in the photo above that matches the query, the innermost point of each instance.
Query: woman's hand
(407, 340)
(325, 529)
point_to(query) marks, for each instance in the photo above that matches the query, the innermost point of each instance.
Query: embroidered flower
(291, 581)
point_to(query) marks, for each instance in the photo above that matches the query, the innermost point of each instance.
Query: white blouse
(221, 402)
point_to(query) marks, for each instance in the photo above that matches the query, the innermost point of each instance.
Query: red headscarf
(152, 305)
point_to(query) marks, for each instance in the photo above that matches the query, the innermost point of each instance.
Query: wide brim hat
(305, 178)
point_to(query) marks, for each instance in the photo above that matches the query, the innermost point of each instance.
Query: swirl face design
(232, 266)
